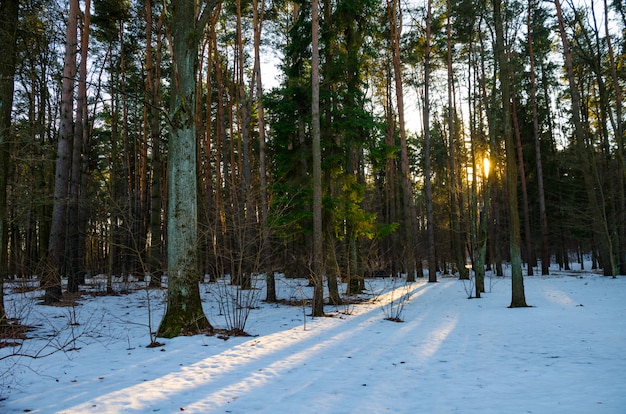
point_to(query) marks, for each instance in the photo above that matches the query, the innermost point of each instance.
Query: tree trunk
(456, 204)
(257, 17)
(219, 225)
(410, 220)
(530, 256)
(318, 251)
(79, 153)
(51, 279)
(8, 36)
(184, 314)
(245, 109)
(155, 258)
(432, 264)
(391, 192)
(518, 298)
(545, 256)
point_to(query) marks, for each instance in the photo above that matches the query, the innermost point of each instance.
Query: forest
(331, 140)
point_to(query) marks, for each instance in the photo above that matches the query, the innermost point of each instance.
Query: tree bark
(78, 179)
(264, 251)
(410, 220)
(184, 314)
(545, 256)
(8, 35)
(456, 203)
(155, 258)
(317, 276)
(432, 264)
(530, 261)
(518, 298)
(51, 279)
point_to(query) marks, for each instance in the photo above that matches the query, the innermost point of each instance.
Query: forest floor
(564, 354)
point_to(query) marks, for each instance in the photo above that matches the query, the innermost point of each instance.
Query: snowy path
(450, 355)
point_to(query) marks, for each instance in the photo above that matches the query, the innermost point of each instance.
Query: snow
(565, 354)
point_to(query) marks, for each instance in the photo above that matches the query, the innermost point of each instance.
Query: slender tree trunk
(483, 233)
(219, 225)
(183, 314)
(8, 35)
(77, 190)
(491, 208)
(393, 10)
(455, 204)
(545, 256)
(522, 172)
(155, 258)
(129, 249)
(473, 206)
(86, 132)
(265, 262)
(245, 109)
(432, 264)
(391, 208)
(318, 250)
(209, 188)
(518, 298)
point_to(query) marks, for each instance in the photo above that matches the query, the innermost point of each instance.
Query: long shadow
(291, 361)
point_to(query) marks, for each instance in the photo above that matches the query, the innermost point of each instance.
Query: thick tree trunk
(184, 314)
(51, 279)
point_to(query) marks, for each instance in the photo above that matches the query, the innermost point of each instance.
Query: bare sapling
(469, 284)
(393, 295)
(235, 303)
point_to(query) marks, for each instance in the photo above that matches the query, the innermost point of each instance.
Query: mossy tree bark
(184, 314)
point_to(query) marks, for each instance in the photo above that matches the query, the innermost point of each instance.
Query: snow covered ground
(566, 354)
